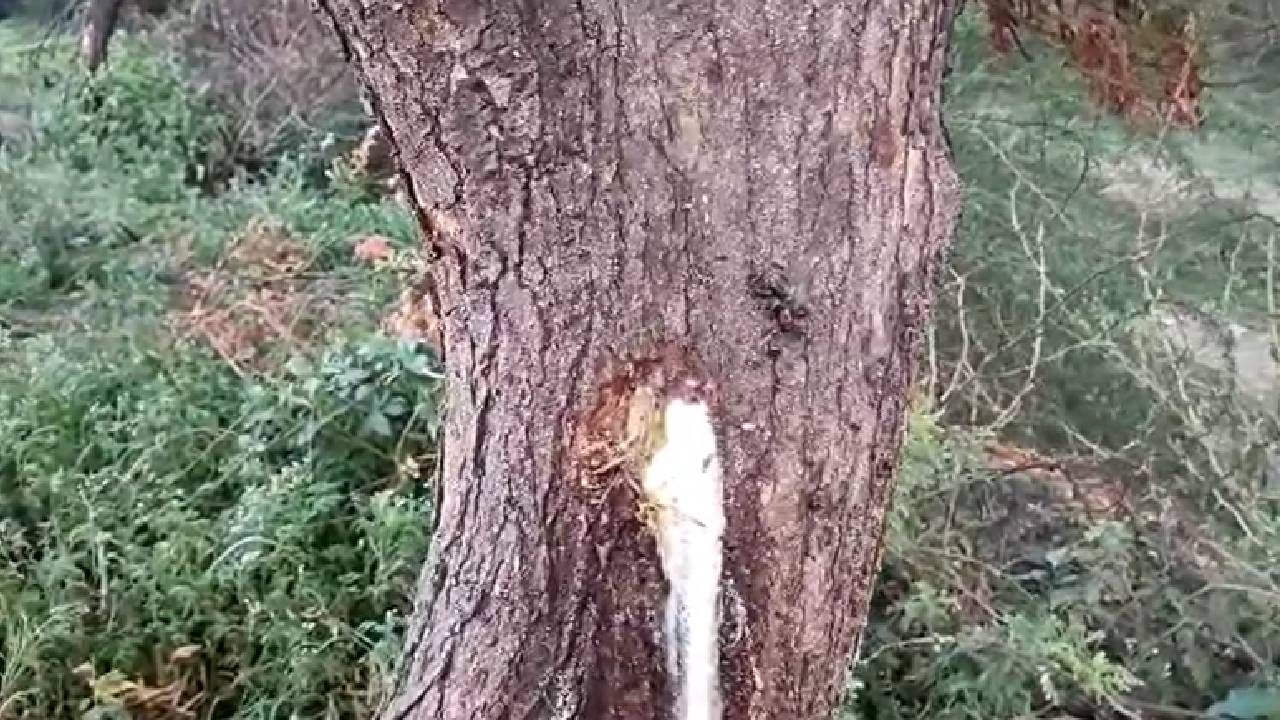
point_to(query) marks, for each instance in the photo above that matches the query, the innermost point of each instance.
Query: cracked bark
(598, 178)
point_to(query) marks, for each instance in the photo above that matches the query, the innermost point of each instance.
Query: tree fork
(764, 186)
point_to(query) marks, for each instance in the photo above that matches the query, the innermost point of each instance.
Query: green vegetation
(210, 459)
(1086, 524)
(174, 532)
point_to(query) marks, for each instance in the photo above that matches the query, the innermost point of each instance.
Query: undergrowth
(1022, 589)
(237, 543)
(1086, 524)
(178, 538)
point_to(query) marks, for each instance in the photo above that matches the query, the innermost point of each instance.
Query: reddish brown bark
(763, 184)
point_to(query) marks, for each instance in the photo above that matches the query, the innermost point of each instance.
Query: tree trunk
(99, 24)
(762, 188)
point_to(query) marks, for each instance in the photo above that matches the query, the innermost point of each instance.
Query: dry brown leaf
(373, 249)
(184, 653)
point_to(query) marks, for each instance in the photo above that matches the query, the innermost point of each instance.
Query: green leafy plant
(969, 624)
(253, 542)
(141, 117)
(176, 536)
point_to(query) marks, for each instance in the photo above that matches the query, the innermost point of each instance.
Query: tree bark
(764, 185)
(99, 23)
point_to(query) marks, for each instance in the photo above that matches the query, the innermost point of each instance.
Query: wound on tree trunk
(760, 188)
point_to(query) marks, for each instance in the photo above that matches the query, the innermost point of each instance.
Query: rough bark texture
(99, 23)
(763, 183)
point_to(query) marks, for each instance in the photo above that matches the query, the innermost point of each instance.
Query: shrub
(240, 544)
(175, 535)
(140, 118)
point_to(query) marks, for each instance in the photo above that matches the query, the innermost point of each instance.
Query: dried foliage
(278, 70)
(255, 303)
(1144, 67)
(414, 318)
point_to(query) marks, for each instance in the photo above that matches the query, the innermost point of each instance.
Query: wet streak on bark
(603, 176)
